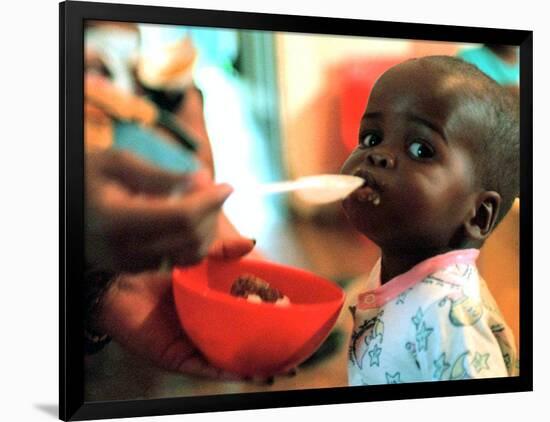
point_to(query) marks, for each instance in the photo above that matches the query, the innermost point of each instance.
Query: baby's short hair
(496, 154)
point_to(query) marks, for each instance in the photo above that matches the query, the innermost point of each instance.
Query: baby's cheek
(431, 216)
(411, 209)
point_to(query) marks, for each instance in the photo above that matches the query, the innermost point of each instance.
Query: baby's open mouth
(367, 194)
(369, 191)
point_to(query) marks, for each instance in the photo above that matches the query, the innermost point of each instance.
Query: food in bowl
(256, 290)
(250, 339)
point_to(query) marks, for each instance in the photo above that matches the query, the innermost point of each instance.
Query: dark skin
(416, 150)
(507, 53)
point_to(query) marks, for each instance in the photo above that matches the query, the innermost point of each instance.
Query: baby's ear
(483, 218)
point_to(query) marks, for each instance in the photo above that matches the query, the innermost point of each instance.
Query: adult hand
(133, 219)
(138, 312)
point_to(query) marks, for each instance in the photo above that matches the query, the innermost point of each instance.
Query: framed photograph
(264, 210)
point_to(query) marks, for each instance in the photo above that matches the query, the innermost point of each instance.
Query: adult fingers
(206, 200)
(198, 366)
(231, 248)
(182, 250)
(155, 216)
(141, 176)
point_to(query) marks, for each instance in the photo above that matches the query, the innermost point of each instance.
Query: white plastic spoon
(318, 189)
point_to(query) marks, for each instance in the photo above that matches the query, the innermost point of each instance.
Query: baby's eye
(420, 150)
(370, 140)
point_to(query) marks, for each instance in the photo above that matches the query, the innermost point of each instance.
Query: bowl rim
(229, 299)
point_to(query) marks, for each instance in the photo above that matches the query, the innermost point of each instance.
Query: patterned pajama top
(438, 321)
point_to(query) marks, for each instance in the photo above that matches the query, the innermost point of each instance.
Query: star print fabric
(436, 322)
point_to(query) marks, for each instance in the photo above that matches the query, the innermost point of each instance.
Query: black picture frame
(72, 15)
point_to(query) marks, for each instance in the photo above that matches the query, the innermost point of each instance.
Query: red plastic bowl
(255, 339)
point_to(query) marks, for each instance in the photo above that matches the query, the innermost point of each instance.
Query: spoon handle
(279, 187)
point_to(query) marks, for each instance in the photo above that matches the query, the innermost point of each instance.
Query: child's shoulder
(457, 283)
(460, 293)
(451, 279)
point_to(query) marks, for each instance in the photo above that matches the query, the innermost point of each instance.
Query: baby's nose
(381, 159)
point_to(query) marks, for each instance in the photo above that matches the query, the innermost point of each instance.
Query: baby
(439, 152)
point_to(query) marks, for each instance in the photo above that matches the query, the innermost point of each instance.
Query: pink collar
(378, 295)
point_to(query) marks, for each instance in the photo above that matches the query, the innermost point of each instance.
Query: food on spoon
(256, 290)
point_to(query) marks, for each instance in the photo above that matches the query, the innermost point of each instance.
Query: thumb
(208, 199)
(231, 248)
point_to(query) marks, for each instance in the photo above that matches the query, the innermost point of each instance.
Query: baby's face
(413, 153)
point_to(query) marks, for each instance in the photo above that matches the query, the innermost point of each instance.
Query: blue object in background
(492, 65)
(217, 47)
(151, 147)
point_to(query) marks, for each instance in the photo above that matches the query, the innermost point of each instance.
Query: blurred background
(266, 107)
